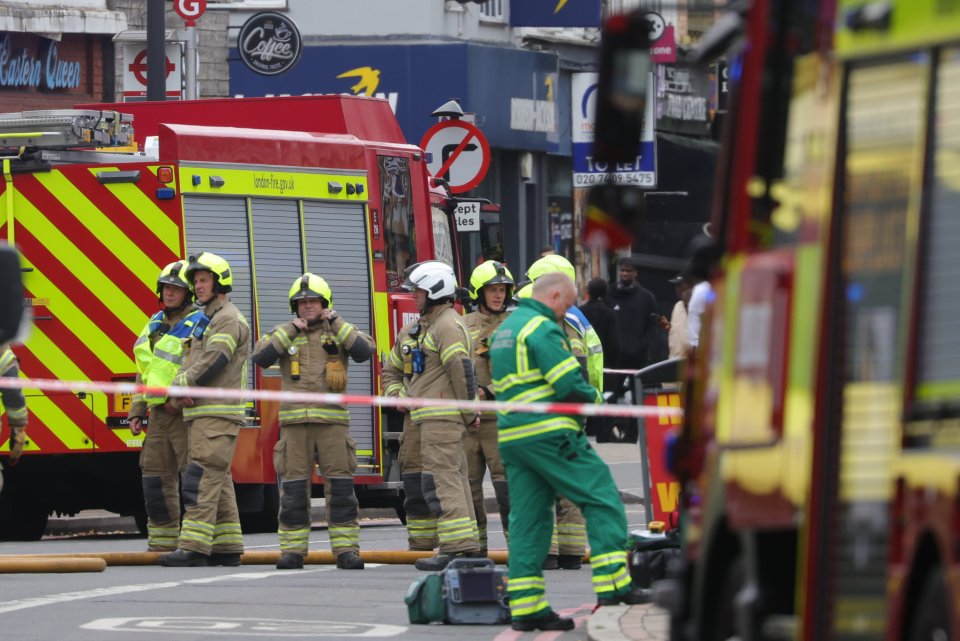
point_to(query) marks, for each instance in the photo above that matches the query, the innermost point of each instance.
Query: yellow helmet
(490, 272)
(310, 286)
(173, 274)
(524, 290)
(220, 268)
(552, 263)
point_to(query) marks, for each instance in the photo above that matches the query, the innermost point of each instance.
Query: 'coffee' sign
(43, 69)
(269, 43)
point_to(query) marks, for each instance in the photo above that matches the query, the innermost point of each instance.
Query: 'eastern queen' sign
(269, 43)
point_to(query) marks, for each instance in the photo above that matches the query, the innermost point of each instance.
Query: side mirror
(11, 294)
(625, 68)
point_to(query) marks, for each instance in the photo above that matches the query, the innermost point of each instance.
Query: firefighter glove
(336, 376)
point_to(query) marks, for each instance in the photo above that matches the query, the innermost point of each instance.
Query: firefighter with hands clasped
(312, 351)
(158, 353)
(215, 357)
(14, 405)
(548, 454)
(431, 359)
(491, 286)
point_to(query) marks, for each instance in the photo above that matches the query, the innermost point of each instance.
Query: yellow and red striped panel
(94, 252)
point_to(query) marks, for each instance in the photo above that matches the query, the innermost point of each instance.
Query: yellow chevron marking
(90, 216)
(74, 259)
(103, 347)
(57, 422)
(147, 210)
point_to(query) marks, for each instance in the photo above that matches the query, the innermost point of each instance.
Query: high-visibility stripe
(135, 212)
(116, 242)
(35, 196)
(173, 208)
(64, 263)
(103, 339)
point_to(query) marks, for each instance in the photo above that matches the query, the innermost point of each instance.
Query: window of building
(492, 11)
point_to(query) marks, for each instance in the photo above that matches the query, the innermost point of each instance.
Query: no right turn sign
(458, 152)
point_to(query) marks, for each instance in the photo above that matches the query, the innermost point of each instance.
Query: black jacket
(636, 326)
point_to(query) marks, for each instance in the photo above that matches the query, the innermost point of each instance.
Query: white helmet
(434, 276)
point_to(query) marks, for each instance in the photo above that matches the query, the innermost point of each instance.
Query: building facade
(54, 57)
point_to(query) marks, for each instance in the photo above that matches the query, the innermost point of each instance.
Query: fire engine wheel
(724, 625)
(22, 517)
(930, 620)
(265, 520)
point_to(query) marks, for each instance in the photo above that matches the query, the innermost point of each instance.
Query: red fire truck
(277, 187)
(819, 457)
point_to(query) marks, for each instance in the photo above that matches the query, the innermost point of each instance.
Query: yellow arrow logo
(560, 6)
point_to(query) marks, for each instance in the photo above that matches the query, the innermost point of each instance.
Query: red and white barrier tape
(109, 387)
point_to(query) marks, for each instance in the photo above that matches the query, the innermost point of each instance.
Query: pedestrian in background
(678, 337)
(637, 316)
(313, 351)
(604, 320)
(217, 357)
(547, 455)
(158, 353)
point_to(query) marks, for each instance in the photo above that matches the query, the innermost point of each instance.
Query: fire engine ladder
(65, 129)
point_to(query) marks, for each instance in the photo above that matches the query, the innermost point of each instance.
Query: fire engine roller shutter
(277, 257)
(336, 239)
(219, 225)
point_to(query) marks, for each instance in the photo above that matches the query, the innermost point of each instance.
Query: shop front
(512, 95)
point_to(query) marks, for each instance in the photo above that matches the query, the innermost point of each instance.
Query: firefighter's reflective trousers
(438, 504)
(482, 452)
(560, 462)
(294, 457)
(211, 521)
(569, 530)
(162, 460)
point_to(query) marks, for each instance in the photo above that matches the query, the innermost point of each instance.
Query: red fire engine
(819, 453)
(277, 187)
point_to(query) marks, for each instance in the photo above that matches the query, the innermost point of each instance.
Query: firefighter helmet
(433, 276)
(310, 286)
(174, 274)
(552, 263)
(490, 272)
(220, 268)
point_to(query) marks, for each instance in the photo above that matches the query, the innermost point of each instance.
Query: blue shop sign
(555, 13)
(513, 92)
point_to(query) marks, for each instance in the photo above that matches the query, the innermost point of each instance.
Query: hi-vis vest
(159, 365)
(591, 346)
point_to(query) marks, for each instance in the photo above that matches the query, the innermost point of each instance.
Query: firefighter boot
(349, 561)
(634, 597)
(290, 561)
(551, 621)
(552, 562)
(226, 559)
(183, 559)
(441, 560)
(569, 561)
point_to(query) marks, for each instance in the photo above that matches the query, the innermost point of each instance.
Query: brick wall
(87, 50)
(212, 45)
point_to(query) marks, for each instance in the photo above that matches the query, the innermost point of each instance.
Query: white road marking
(40, 601)
(234, 627)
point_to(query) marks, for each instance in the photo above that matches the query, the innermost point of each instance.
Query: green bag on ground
(424, 599)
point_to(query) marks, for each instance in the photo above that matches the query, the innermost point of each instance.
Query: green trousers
(539, 469)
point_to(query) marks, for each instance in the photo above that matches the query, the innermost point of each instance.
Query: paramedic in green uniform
(548, 454)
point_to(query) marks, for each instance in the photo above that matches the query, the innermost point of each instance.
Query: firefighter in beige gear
(491, 286)
(438, 350)
(312, 351)
(210, 532)
(158, 353)
(15, 407)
